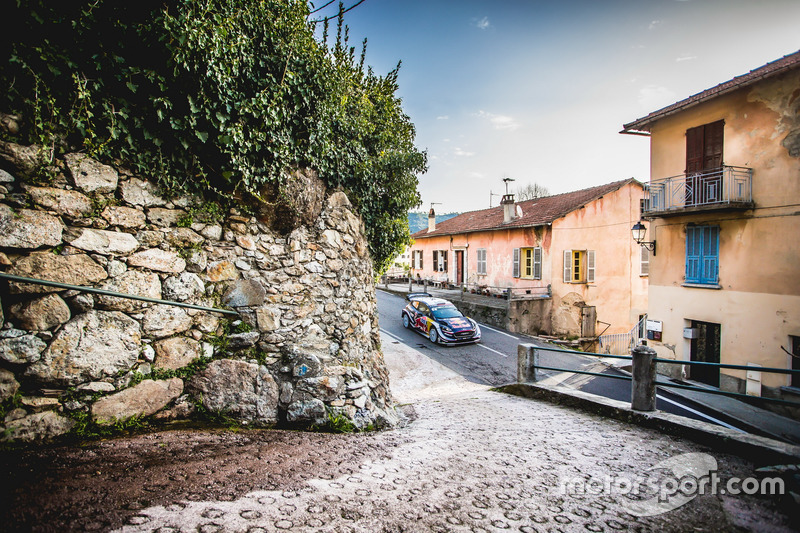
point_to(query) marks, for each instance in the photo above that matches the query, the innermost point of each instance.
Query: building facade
(724, 212)
(573, 248)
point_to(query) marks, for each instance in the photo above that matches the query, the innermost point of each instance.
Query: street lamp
(639, 231)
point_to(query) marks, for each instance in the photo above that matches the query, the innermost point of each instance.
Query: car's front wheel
(433, 335)
(406, 321)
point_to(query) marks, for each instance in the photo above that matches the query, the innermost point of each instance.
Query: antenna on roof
(490, 196)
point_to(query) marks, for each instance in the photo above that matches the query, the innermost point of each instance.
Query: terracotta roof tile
(770, 69)
(534, 212)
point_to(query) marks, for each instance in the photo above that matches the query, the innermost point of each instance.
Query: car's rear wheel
(406, 321)
(433, 335)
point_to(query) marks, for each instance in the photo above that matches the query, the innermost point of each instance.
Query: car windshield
(446, 312)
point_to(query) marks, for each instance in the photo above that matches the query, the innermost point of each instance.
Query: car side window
(415, 305)
(423, 309)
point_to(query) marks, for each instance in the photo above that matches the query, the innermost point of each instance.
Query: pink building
(573, 249)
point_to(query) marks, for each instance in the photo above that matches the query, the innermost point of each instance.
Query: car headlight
(446, 329)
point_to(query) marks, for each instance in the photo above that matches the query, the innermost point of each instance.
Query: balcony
(726, 188)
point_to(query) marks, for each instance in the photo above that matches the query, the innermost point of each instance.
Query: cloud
(500, 122)
(653, 24)
(684, 58)
(483, 24)
(653, 97)
(462, 153)
(443, 117)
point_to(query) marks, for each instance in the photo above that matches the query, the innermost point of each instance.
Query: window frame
(481, 263)
(586, 263)
(528, 262)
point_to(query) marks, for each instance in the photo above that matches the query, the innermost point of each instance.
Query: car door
(422, 318)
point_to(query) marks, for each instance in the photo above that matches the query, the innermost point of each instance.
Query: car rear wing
(411, 296)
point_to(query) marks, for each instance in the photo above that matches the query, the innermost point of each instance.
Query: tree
(531, 191)
(219, 97)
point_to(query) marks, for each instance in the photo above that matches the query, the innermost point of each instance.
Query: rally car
(439, 320)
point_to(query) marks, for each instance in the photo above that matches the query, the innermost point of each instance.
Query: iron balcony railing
(719, 187)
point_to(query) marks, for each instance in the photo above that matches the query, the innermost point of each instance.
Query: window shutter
(710, 260)
(693, 248)
(537, 263)
(444, 261)
(436, 260)
(644, 261)
(567, 266)
(589, 266)
(516, 263)
(420, 259)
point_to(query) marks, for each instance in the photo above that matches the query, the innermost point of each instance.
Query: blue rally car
(439, 320)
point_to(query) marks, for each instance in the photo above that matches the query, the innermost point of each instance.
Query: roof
(432, 301)
(537, 212)
(770, 69)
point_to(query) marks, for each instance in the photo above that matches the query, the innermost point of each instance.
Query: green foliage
(217, 97)
(336, 422)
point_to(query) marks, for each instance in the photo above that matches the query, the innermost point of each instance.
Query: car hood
(457, 324)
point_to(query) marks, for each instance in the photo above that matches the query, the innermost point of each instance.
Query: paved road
(494, 362)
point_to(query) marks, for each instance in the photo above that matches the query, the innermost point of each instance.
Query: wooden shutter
(567, 266)
(712, 145)
(710, 255)
(444, 261)
(436, 260)
(537, 263)
(589, 266)
(516, 263)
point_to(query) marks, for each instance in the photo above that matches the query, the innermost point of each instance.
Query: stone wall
(304, 346)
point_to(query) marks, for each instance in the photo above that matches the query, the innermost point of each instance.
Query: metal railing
(621, 343)
(104, 292)
(720, 186)
(643, 375)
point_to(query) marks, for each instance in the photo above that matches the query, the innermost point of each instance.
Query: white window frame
(587, 265)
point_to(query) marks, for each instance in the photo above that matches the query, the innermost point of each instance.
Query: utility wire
(341, 12)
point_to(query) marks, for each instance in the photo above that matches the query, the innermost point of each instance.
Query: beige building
(724, 212)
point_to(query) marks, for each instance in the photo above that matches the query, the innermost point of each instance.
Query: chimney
(431, 220)
(509, 208)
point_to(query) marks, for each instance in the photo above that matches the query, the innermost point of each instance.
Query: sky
(538, 91)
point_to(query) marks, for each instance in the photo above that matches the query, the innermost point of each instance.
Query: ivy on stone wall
(221, 97)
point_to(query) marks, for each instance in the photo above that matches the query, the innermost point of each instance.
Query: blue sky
(538, 91)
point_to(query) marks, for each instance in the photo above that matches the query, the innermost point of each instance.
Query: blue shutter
(702, 254)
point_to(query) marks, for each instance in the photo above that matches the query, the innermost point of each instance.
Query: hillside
(419, 220)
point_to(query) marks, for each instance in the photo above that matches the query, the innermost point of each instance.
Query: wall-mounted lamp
(639, 231)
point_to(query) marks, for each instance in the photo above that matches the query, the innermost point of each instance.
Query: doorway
(459, 267)
(706, 349)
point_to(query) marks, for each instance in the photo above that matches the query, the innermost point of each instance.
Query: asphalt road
(493, 362)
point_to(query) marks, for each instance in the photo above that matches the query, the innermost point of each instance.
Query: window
(440, 261)
(528, 263)
(644, 206)
(702, 255)
(481, 261)
(644, 261)
(579, 266)
(704, 154)
(416, 259)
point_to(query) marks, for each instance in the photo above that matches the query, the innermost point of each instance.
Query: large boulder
(21, 349)
(91, 346)
(40, 314)
(36, 427)
(144, 399)
(245, 391)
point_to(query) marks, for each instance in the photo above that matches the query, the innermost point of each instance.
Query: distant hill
(419, 221)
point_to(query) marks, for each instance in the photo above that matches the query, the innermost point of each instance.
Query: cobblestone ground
(476, 460)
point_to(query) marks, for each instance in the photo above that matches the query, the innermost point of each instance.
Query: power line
(341, 12)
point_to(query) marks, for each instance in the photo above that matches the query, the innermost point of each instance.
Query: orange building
(574, 249)
(723, 208)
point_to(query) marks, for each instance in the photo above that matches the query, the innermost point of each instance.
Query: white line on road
(698, 413)
(395, 337)
(498, 331)
(491, 350)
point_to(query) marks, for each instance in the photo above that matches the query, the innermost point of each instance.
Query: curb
(759, 450)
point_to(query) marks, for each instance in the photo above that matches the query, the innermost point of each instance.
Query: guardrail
(66, 286)
(643, 374)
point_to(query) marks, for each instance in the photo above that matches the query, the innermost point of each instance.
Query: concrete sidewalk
(473, 459)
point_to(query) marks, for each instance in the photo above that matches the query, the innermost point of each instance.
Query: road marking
(500, 332)
(491, 350)
(395, 337)
(698, 413)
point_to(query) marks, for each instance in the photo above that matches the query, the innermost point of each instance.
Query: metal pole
(643, 385)
(527, 361)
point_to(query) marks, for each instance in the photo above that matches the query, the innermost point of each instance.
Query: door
(703, 157)
(459, 267)
(705, 348)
